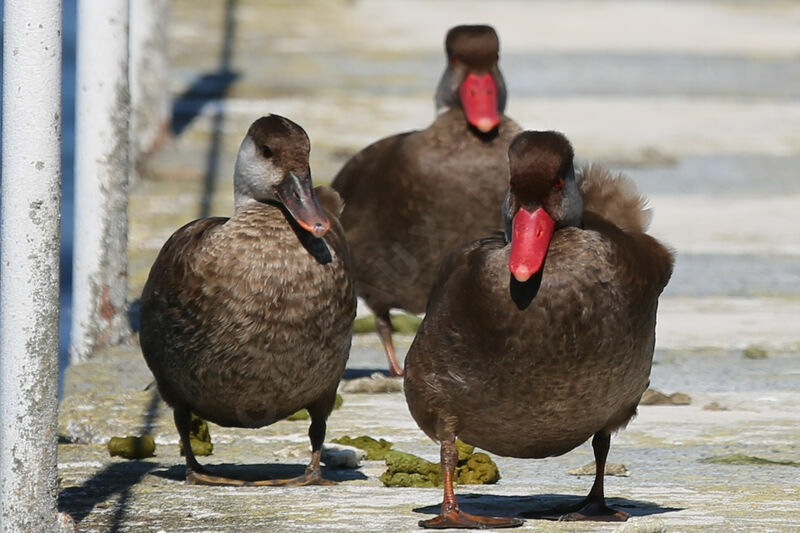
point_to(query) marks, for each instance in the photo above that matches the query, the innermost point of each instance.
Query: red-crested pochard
(413, 197)
(536, 340)
(245, 320)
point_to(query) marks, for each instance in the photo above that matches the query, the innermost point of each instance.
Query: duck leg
(196, 475)
(383, 325)
(319, 413)
(594, 506)
(451, 515)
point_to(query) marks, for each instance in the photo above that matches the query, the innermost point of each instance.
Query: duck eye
(558, 184)
(266, 151)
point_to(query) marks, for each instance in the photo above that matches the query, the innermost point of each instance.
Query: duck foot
(458, 519)
(310, 477)
(595, 511)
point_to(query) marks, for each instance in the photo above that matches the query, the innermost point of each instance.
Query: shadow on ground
(355, 373)
(255, 472)
(541, 506)
(116, 478)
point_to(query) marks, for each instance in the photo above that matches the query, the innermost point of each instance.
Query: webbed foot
(458, 519)
(596, 511)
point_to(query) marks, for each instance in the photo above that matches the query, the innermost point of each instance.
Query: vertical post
(30, 196)
(149, 65)
(99, 309)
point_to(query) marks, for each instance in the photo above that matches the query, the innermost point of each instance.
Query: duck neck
(250, 185)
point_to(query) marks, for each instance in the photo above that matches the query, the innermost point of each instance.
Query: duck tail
(614, 196)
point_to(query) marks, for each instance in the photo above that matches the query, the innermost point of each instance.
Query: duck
(540, 336)
(411, 198)
(247, 319)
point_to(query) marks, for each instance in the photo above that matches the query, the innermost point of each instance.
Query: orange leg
(451, 515)
(594, 507)
(383, 325)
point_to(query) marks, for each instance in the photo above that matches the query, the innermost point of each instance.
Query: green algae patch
(402, 323)
(755, 352)
(477, 469)
(654, 397)
(741, 459)
(302, 414)
(474, 468)
(199, 438)
(407, 470)
(364, 324)
(376, 449)
(132, 447)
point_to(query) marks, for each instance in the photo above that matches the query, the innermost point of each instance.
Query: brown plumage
(413, 197)
(535, 368)
(247, 319)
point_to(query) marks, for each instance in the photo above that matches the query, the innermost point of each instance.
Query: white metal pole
(30, 218)
(149, 66)
(99, 299)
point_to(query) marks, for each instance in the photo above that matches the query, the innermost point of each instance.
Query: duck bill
(479, 100)
(297, 195)
(530, 238)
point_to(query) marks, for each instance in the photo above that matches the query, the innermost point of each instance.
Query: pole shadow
(210, 87)
(115, 478)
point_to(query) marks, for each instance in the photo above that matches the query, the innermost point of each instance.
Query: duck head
(543, 196)
(472, 81)
(272, 165)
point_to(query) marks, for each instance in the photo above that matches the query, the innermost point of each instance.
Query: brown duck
(247, 319)
(538, 339)
(413, 197)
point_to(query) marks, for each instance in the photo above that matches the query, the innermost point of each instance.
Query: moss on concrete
(755, 352)
(132, 447)
(742, 459)
(376, 449)
(402, 323)
(199, 438)
(407, 470)
(477, 469)
(654, 397)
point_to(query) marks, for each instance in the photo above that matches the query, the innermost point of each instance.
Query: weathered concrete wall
(30, 218)
(99, 308)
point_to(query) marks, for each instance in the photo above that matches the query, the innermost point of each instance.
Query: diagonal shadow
(116, 478)
(211, 87)
(189, 104)
(541, 506)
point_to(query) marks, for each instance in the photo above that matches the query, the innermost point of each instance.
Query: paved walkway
(697, 101)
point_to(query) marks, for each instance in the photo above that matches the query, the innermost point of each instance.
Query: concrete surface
(697, 101)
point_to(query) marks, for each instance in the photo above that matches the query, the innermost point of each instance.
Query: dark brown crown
(281, 139)
(475, 46)
(536, 160)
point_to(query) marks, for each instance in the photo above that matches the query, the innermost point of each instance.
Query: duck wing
(174, 262)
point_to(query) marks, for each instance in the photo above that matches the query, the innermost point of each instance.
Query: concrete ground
(699, 102)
